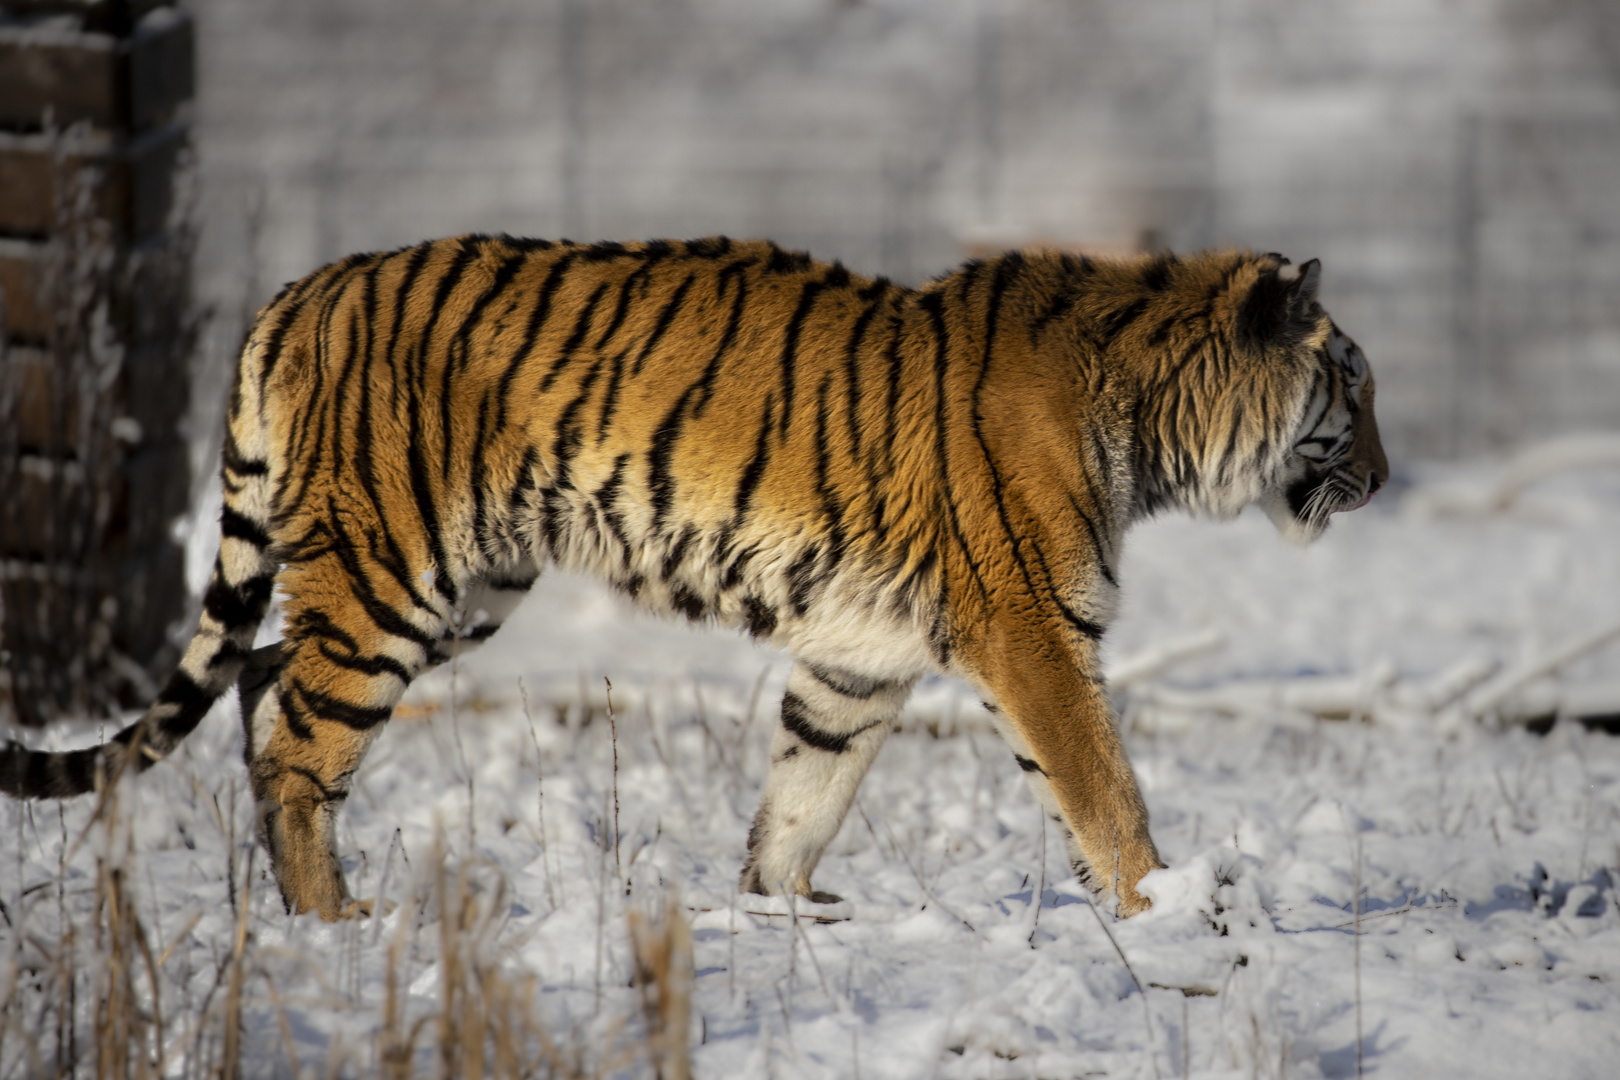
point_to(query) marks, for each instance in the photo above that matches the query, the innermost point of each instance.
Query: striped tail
(233, 607)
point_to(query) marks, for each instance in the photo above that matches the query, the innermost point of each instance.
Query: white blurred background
(1454, 163)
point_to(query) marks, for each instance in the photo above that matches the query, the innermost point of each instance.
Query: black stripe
(610, 399)
(366, 665)
(465, 256)
(229, 652)
(1006, 269)
(509, 268)
(381, 614)
(582, 326)
(803, 577)
(192, 700)
(761, 617)
(605, 251)
(1027, 765)
(1156, 274)
(790, 344)
(479, 470)
(525, 243)
(733, 576)
(705, 383)
(327, 794)
(396, 562)
(241, 605)
(1096, 540)
(531, 331)
(796, 718)
(311, 403)
(427, 507)
(564, 448)
(325, 707)
(689, 603)
(786, 262)
(665, 317)
(660, 478)
(933, 304)
(32, 774)
(1161, 333)
(239, 527)
(847, 683)
(606, 500)
(655, 253)
(755, 472)
(236, 462)
(414, 265)
(621, 309)
(1117, 322)
(677, 552)
(709, 247)
(284, 309)
(852, 351)
(824, 485)
(1062, 303)
(892, 403)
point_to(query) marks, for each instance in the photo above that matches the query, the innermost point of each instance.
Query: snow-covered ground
(1486, 857)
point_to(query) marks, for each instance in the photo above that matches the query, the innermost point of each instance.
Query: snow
(1487, 857)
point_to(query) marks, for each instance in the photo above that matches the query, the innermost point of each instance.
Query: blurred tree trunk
(98, 330)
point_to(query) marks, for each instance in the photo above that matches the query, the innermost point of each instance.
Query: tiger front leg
(1052, 711)
(833, 724)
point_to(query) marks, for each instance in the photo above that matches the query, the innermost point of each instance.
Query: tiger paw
(822, 907)
(1131, 902)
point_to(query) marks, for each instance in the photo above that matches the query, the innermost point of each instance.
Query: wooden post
(96, 337)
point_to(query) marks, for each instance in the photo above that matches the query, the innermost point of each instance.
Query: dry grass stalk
(663, 954)
(613, 731)
(128, 1038)
(231, 1063)
(486, 1023)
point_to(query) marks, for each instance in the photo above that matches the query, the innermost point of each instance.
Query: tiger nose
(1374, 482)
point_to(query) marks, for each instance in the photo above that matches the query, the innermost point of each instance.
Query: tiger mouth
(1345, 508)
(1370, 488)
(1314, 501)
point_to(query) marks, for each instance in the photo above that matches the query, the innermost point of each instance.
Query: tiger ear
(1277, 298)
(1303, 281)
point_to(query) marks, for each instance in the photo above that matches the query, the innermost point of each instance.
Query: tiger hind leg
(833, 724)
(315, 702)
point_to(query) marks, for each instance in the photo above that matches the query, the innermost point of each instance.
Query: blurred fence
(1455, 165)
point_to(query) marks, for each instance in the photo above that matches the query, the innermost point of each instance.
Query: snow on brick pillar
(95, 351)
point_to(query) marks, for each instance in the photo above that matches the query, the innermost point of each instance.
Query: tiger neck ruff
(883, 481)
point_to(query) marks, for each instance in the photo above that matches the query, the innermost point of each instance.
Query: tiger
(885, 481)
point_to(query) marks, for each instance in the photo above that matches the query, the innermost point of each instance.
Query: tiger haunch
(883, 481)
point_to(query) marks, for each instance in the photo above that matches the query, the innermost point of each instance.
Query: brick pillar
(96, 336)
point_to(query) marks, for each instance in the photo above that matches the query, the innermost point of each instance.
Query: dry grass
(84, 997)
(663, 953)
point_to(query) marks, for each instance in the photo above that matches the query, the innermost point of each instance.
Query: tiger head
(1336, 462)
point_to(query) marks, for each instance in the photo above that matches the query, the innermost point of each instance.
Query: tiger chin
(883, 481)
